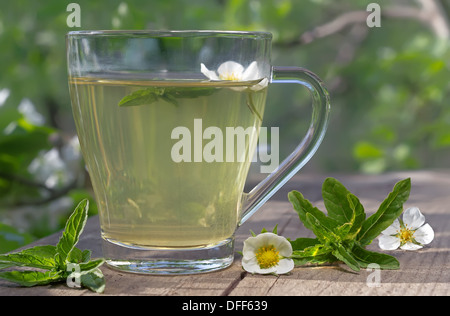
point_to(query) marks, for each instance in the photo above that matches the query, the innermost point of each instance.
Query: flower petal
(281, 244)
(252, 72)
(230, 67)
(393, 229)
(285, 266)
(410, 246)
(284, 247)
(424, 234)
(251, 245)
(250, 265)
(210, 74)
(413, 218)
(387, 242)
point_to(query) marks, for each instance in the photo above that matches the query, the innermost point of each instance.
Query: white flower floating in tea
(233, 71)
(408, 233)
(267, 253)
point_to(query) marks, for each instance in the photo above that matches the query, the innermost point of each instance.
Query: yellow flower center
(406, 235)
(230, 76)
(267, 256)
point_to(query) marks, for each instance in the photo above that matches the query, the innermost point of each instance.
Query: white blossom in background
(56, 169)
(27, 109)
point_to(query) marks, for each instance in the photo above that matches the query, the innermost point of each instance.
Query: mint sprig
(169, 94)
(343, 233)
(59, 262)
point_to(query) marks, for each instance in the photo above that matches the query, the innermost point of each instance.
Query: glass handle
(253, 200)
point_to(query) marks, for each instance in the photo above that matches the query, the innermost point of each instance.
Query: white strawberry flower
(233, 71)
(408, 233)
(267, 253)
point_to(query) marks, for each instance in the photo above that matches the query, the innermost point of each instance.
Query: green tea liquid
(145, 199)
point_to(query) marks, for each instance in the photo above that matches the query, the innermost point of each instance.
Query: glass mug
(140, 100)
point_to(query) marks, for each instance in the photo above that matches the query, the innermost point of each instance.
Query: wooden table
(423, 272)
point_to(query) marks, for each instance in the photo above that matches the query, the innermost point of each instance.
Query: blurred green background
(388, 86)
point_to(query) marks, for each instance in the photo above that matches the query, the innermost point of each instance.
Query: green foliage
(74, 227)
(57, 260)
(31, 180)
(398, 93)
(169, 94)
(20, 143)
(344, 232)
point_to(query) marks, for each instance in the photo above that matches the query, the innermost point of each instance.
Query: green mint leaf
(169, 99)
(346, 256)
(32, 278)
(344, 233)
(74, 227)
(316, 251)
(320, 259)
(56, 258)
(311, 251)
(343, 206)
(86, 255)
(189, 92)
(326, 258)
(93, 280)
(324, 234)
(94, 264)
(140, 97)
(359, 215)
(389, 210)
(303, 243)
(303, 207)
(168, 94)
(42, 257)
(76, 256)
(331, 242)
(90, 275)
(349, 230)
(4, 265)
(365, 257)
(335, 199)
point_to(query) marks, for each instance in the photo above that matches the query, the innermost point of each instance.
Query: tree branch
(430, 14)
(436, 17)
(23, 181)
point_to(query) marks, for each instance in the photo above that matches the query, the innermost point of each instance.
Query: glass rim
(171, 33)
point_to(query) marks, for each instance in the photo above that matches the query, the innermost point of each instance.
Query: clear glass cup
(168, 122)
